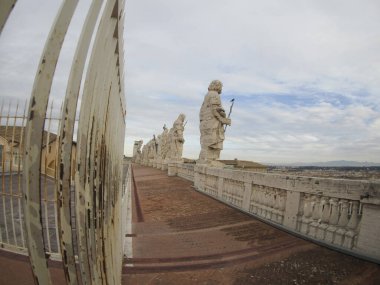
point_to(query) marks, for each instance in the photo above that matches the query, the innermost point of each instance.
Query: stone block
(291, 209)
(369, 234)
(172, 169)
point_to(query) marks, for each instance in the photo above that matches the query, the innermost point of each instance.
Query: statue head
(182, 117)
(215, 85)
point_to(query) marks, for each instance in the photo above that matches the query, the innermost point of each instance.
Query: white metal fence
(61, 198)
(12, 131)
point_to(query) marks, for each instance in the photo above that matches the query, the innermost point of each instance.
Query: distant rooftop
(17, 131)
(236, 163)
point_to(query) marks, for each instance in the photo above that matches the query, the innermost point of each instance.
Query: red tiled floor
(185, 237)
(15, 270)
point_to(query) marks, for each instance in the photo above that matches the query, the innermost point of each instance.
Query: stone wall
(339, 213)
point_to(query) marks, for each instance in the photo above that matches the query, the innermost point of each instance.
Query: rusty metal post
(11, 194)
(98, 184)
(99, 154)
(4, 194)
(33, 142)
(21, 158)
(64, 171)
(85, 212)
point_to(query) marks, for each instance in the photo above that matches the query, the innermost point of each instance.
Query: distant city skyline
(304, 74)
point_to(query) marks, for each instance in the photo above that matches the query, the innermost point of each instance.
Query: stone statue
(164, 143)
(176, 140)
(158, 144)
(212, 120)
(144, 155)
(137, 151)
(152, 150)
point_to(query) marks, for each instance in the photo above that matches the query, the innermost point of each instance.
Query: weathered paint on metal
(90, 134)
(66, 143)
(99, 155)
(84, 206)
(19, 200)
(3, 182)
(98, 168)
(11, 178)
(33, 142)
(45, 199)
(2, 172)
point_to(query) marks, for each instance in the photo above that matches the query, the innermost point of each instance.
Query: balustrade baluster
(315, 216)
(270, 204)
(254, 203)
(330, 231)
(265, 202)
(282, 202)
(351, 234)
(260, 201)
(300, 213)
(354, 220)
(326, 211)
(276, 206)
(342, 222)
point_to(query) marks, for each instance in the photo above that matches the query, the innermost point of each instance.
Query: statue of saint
(159, 145)
(212, 120)
(144, 155)
(152, 148)
(176, 138)
(137, 151)
(164, 143)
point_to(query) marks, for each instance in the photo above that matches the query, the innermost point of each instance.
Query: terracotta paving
(15, 269)
(181, 236)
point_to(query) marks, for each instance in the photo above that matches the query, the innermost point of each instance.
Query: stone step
(147, 265)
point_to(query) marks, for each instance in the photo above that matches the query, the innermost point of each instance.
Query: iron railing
(61, 198)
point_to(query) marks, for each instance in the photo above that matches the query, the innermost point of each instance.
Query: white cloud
(304, 73)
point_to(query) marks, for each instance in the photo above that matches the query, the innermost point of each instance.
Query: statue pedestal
(211, 163)
(172, 167)
(164, 165)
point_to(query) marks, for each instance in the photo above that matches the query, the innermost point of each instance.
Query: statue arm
(220, 115)
(178, 135)
(217, 110)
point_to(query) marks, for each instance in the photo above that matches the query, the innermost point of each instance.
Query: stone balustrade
(185, 170)
(339, 213)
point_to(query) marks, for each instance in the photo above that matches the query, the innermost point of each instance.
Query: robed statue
(212, 121)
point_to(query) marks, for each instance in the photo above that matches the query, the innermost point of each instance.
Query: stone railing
(339, 213)
(184, 170)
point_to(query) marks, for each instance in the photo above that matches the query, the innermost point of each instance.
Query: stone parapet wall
(185, 171)
(340, 213)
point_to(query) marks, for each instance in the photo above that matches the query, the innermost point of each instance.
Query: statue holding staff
(212, 120)
(176, 138)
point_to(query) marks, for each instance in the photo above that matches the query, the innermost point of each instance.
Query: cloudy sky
(305, 75)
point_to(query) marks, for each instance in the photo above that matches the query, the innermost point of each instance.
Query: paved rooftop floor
(180, 236)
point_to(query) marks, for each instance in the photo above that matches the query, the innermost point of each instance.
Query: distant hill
(336, 163)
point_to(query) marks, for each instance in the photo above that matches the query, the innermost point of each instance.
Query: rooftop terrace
(181, 236)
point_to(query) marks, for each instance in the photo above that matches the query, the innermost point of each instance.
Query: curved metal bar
(99, 154)
(33, 142)
(64, 171)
